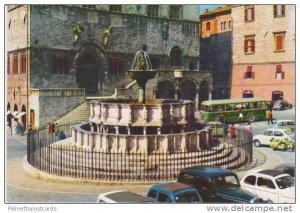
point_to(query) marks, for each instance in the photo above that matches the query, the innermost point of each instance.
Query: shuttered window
(279, 41)
(279, 73)
(15, 64)
(249, 13)
(279, 10)
(23, 63)
(60, 64)
(249, 44)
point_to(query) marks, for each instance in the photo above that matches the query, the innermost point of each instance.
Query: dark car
(216, 184)
(174, 192)
(281, 105)
(287, 168)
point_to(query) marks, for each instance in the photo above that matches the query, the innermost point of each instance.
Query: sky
(209, 7)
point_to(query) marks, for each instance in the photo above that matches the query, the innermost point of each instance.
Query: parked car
(265, 137)
(122, 196)
(284, 124)
(173, 192)
(281, 105)
(287, 168)
(216, 184)
(277, 186)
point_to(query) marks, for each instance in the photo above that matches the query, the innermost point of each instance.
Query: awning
(8, 112)
(15, 113)
(20, 115)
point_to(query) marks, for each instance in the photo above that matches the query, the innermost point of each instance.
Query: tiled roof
(218, 10)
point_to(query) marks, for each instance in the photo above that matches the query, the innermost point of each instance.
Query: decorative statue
(76, 31)
(106, 35)
(141, 61)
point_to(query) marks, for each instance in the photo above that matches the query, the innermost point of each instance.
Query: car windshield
(188, 197)
(228, 181)
(285, 182)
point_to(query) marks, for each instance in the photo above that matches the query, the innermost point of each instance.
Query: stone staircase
(77, 114)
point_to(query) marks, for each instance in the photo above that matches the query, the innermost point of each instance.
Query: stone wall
(216, 56)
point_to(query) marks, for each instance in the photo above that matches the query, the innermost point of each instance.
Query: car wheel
(251, 118)
(256, 143)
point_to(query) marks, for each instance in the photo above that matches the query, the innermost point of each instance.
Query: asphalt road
(22, 188)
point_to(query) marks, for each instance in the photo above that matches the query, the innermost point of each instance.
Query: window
(152, 194)
(15, 64)
(279, 73)
(187, 178)
(265, 182)
(115, 65)
(268, 133)
(89, 6)
(23, 63)
(163, 198)
(60, 64)
(249, 44)
(164, 30)
(175, 56)
(224, 25)
(278, 134)
(175, 12)
(279, 41)
(8, 64)
(229, 25)
(249, 13)
(248, 94)
(279, 10)
(115, 8)
(250, 180)
(249, 74)
(152, 10)
(208, 26)
(201, 184)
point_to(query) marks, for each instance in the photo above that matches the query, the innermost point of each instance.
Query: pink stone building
(263, 51)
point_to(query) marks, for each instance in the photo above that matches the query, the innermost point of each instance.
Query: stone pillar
(197, 99)
(91, 141)
(163, 148)
(104, 145)
(122, 144)
(144, 130)
(171, 113)
(97, 138)
(145, 114)
(91, 110)
(209, 94)
(98, 128)
(183, 143)
(85, 140)
(92, 127)
(74, 141)
(160, 114)
(198, 141)
(128, 130)
(117, 130)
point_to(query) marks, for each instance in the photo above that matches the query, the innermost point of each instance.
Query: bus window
(248, 106)
(255, 105)
(215, 108)
(221, 108)
(228, 107)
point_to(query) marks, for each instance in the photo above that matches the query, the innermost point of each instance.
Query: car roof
(285, 165)
(174, 186)
(125, 197)
(207, 171)
(271, 172)
(276, 129)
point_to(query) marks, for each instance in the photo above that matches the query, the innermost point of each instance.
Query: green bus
(253, 109)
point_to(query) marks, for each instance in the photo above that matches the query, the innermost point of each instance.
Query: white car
(271, 185)
(265, 137)
(122, 196)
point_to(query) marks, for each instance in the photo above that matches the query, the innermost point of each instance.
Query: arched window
(224, 25)
(229, 25)
(248, 94)
(208, 26)
(175, 56)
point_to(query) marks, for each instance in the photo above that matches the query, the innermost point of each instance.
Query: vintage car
(173, 192)
(216, 184)
(122, 196)
(272, 133)
(281, 105)
(288, 168)
(284, 124)
(277, 186)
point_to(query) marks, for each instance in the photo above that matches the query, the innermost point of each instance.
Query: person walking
(270, 117)
(49, 129)
(232, 132)
(241, 117)
(225, 130)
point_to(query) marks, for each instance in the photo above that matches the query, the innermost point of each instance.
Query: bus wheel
(251, 118)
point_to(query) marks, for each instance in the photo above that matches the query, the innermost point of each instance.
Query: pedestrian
(225, 130)
(222, 119)
(270, 117)
(232, 132)
(53, 128)
(49, 129)
(241, 117)
(62, 135)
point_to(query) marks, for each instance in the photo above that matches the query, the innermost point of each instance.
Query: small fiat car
(276, 186)
(122, 196)
(216, 185)
(284, 124)
(265, 137)
(173, 192)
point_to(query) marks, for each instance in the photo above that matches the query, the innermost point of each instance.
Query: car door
(266, 189)
(278, 134)
(249, 183)
(266, 137)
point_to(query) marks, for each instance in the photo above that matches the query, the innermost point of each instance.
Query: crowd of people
(53, 131)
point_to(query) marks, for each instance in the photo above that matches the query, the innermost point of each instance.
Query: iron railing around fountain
(68, 160)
